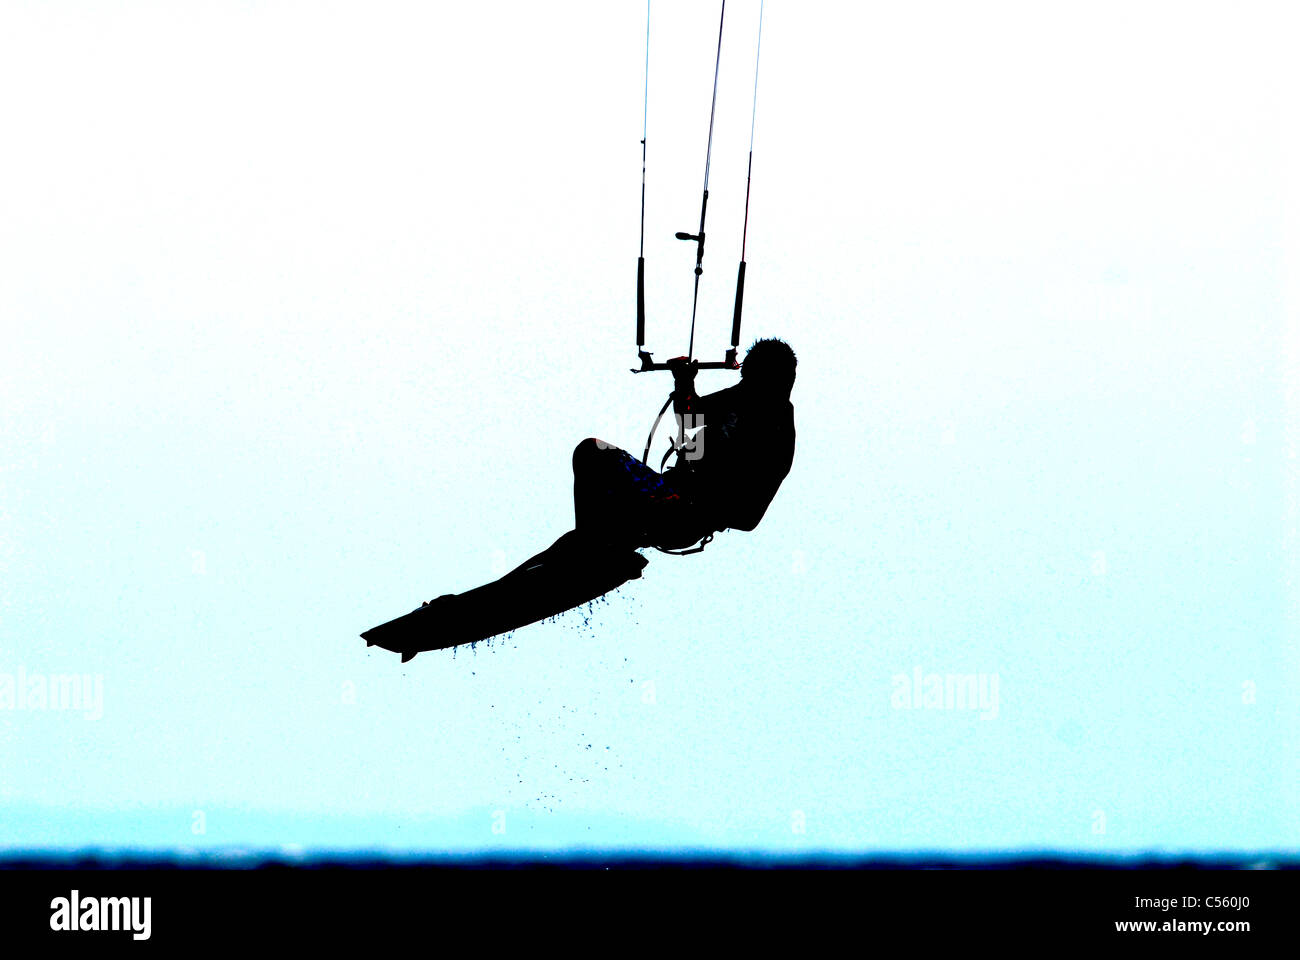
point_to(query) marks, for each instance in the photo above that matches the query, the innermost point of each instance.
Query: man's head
(769, 367)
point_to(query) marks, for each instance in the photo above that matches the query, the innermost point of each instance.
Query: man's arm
(684, 397)
(686, 402)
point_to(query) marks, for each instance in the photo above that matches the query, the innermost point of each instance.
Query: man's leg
(607, 493)
(568, 545)
(599, 506)
(619, 500)
(618, 505)
(654, 510)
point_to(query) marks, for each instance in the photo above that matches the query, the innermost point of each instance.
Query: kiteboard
(520, 598)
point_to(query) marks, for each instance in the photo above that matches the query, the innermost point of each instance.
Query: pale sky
(304, 307)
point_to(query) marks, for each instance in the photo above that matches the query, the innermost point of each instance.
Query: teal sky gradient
(305, 306)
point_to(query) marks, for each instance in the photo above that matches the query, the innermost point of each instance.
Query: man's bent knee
(585, 451)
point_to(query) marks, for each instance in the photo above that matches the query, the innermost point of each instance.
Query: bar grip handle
(740, 300)
(640, 301)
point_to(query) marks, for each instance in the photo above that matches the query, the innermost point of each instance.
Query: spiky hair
(770, 359)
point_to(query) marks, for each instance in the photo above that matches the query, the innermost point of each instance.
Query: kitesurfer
(725, 476)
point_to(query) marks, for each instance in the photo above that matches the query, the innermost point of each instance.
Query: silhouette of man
(725, 476)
